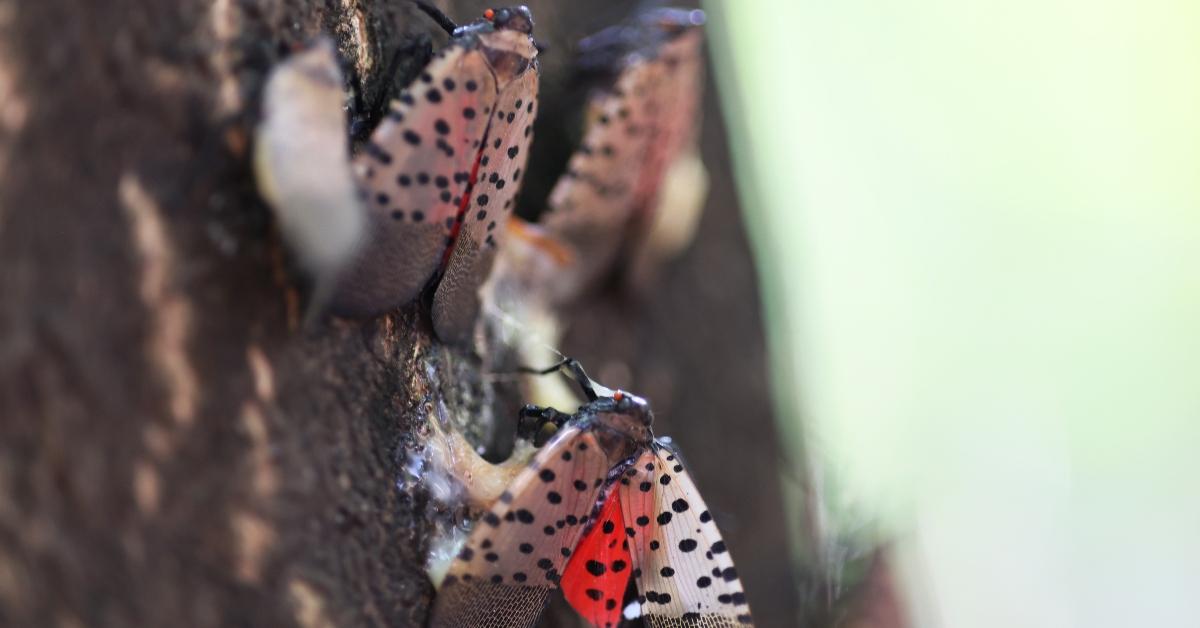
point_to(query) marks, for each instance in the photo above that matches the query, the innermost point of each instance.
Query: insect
(439, 174)
(602, 503)
(615, 191)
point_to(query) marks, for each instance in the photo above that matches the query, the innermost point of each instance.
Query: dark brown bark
(174, 448)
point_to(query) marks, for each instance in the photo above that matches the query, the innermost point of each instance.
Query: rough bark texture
(174, 448)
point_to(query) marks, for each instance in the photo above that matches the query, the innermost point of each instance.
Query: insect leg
(532, 418)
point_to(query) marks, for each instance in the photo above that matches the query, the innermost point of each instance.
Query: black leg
(532, 418)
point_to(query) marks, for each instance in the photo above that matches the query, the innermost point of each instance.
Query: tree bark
(175, 448)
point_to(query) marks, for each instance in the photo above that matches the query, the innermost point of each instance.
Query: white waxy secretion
(302, 162)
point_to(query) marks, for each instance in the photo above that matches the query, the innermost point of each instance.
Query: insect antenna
(436, 14)
(557, 366)
(574, 368)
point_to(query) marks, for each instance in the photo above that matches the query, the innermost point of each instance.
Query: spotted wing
(591, 203)
(501, 166)
(413, 173)
(597, 574)
(674, 184)
(673, 106)
(635, 131)
(639, 501)
(517, 551)
(684, 574)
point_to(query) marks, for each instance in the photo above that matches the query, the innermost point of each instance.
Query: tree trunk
(175, 448)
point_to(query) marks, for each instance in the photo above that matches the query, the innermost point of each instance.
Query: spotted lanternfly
(601, 503)
(637, 129)
(440, 173)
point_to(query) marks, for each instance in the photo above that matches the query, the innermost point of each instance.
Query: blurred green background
(977, 227)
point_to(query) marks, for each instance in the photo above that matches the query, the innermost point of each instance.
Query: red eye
(618, 395)
(489, 14)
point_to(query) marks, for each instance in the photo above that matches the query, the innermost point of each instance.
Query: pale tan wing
(635, 132)
(639, 504)
(591, 203)
(684, 574)
(501, 166)
(673, 106)
(517, 551)
(413, 172)
(674, 184)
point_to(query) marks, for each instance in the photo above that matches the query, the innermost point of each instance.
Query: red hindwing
(598, 572)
